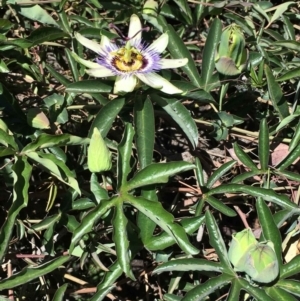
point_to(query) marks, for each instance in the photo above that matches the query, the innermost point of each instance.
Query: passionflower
(132, 61)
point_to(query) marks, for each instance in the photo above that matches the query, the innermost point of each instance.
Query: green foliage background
(69, 234)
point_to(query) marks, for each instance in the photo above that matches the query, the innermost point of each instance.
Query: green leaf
(291, 286)
(7, 140)
(291, 74)
(46, 140)
(106, 116)
(244, 157)
(234, 293)
(72, 65)
(269, 228)
(45, 34)
(288, 28)
(263, 145)
(291, 268)
(157, 173)
(170, 297)
(124, 155)
(120, 238)
(164, 240)
(98, 191)
(187, 265)
(60, 292)
(208, 58)
(63, 80)
(5, 26)
(144, 138)
(289, 175)
(184, 7)
(21, 175)
(258, 293)
(163, 219)
(200, 173)
(88, 86)
(115, 271)
(84, 203)
(281, 9)
(289, 44)
(89, 220)
(56, 167)
(144, 130)
(217, 242)
(282, 215)
(32, 12)
(296, 138)
(221, 171)
(203, 290)
(6, 151)
(286, 121)
(178, 50)
(32, 272)
(215, 203)
(279, 294)
(180, 115)
(45, 223)
(289, 159)
(246, 175)
(102, 293)
(276, 94)
(64, 22)
(266, 194)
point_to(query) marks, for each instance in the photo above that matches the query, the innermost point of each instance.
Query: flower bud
(150, 8)
(240, 244)
(99, 156)
(261, 262)
(232, 56)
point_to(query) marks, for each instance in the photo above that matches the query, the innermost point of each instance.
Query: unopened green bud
(150, 8)
(231, 56)
(240, 244)
(99, 156)
(261, 263)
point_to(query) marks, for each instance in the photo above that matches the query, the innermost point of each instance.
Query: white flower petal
(170, 63)
(88, 43)
(135, 27)
(100, 72)
(125, 84)
(157, 82)
(105, 42)
(160, 44)
(85, 63)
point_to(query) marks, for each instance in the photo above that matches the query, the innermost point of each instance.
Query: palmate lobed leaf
(164, 240)
(90, 219)
(163, 219)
